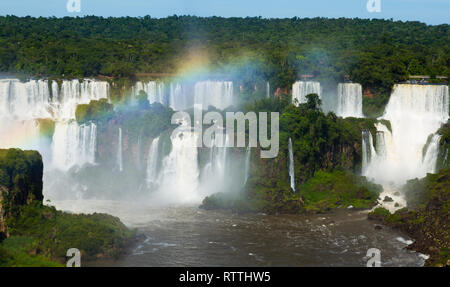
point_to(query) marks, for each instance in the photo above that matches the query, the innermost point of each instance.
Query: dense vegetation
(32, 234)
(427, 217)
(327, 152)
(376, 53)
(53, 232)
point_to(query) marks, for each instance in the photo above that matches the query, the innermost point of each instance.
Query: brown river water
(189, 236)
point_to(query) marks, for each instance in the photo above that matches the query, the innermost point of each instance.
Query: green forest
(375, 53)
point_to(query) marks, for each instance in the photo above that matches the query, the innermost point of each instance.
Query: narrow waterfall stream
(291, 165)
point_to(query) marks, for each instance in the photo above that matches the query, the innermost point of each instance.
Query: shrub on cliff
(94, 111)
(95, 235)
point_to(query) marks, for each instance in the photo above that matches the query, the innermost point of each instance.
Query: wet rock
(388, 199)
(378, 227)
(396, 204)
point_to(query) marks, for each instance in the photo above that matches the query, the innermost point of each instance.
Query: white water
(267, 90)
(181, 96)
(291, 165)
(120, 152)
(152, 164)
(73, 144)
(415, 112)
(214, 93)
(23, 104)
(155, 91)
(301, 89)
(349, 100)
(431, 154)
(178, 180)
(247, 163)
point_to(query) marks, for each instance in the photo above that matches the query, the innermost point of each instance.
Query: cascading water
(73, 144)
(155, 91)
(301, 89)
(415, 112)
(178, 180)
(74, 93)
(431, 154)
(215, 170)
(182, 95)
(119, 152)
(349, 100)
(24, 104)
(247, 163)
(179, 97)
(291, 165)
(267, 90)
(152, 165)
(214, 93)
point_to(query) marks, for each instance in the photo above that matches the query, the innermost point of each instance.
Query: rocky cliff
(20, 182)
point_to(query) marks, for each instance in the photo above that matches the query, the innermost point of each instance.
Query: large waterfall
(415, 112)
(349, 100)
(301, 89)
(178, 178)
(214, 93)
(24, 104)
(155, 91)
(179, 175)
(215, 171)
(291, 165)
(185, 95)
(73, 144)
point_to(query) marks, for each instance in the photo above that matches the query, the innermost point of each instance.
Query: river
(189, 236)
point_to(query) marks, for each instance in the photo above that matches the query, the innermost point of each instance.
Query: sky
(432, 12)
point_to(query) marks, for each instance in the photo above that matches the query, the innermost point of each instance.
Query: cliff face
(20, 182)
(427, 217)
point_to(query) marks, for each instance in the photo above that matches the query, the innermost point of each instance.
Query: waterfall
(73, 145)
(179, 98)
(155, 91)
(267, 90)
(214, 93)
(291, 165)
(368, 151)
(119, 152)
(152, 164)
(74, 93)
(247, 163)
(23, 104)
(216, 169)
(179, 176)
(415, 112)
(301, 89)
(431, 154)
(29, 100)
(349, 100)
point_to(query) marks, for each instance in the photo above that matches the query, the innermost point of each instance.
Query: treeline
(376, 53)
